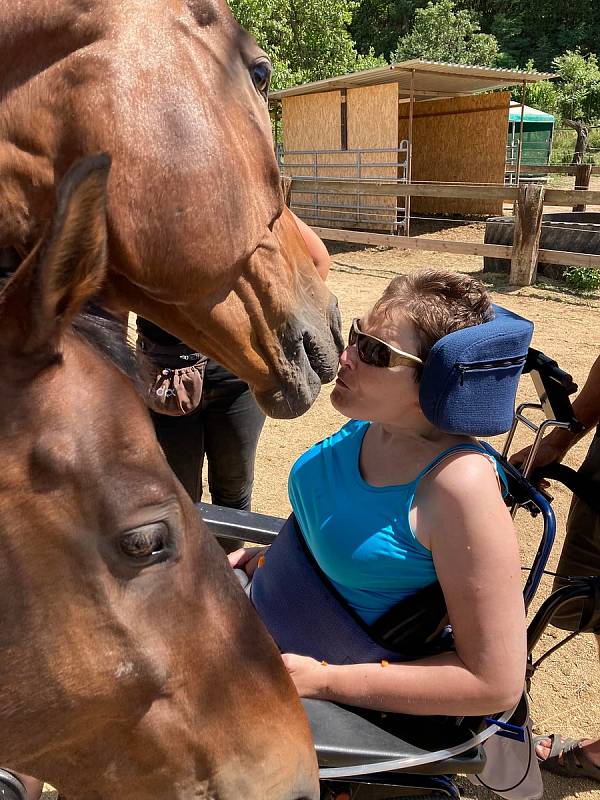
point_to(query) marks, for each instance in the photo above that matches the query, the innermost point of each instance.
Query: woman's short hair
(437, 302)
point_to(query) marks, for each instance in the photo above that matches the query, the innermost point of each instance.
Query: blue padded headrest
(470, 377)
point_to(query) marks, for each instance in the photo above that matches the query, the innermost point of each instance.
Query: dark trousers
(581, 551)
(225, 428)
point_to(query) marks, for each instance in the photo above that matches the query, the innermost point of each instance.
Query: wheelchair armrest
(347, 737)
(229, 523)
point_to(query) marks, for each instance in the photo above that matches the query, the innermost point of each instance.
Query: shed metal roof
(432, 79)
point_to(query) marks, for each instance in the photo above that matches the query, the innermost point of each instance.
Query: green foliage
(582, 279)
(380, 23)
(543, 95)
(442, 33)
(575, 94)
(538, 29)
(563, 145)
(307, 40)
(579, 85)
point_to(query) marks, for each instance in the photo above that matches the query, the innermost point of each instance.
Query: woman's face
(379, 394)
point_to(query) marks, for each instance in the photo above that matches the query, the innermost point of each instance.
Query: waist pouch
(175, 377)
(306, 615)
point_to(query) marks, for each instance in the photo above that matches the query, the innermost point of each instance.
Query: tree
(442, 33)
(579, 98)
(378, 24)
(574, 97)
(307, 40)
(538, 29)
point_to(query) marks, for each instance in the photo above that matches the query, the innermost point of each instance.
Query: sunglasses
(378, 353)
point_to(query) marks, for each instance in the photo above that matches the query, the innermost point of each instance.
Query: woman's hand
(247, 559)
(309, 676)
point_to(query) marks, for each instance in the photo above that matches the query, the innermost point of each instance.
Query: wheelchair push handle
(548, 369)
(553, 386)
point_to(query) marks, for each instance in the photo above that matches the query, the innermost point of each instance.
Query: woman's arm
(461, 514)
(316, 248)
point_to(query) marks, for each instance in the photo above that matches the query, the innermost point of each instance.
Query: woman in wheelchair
(401, 500)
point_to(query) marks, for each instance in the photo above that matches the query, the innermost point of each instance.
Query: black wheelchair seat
(348, 737)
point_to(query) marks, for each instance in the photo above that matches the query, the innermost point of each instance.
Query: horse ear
(73, 264)
(69, 266)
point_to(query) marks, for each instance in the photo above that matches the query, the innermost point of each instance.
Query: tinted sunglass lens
(373, 352)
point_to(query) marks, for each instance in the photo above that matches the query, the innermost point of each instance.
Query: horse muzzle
(311, 347)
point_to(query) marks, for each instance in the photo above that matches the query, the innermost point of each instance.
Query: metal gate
(332, 208)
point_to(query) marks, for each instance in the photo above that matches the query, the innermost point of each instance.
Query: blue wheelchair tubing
(548, 533)
(545, 548)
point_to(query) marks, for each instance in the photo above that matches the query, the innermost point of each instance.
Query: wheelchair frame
(421, 771)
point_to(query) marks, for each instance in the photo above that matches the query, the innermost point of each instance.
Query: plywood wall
(312, 122)
(462, 140)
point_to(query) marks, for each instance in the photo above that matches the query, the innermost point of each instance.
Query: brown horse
(199, 238)
(132, 664)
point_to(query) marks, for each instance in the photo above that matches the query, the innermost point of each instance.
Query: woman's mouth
(340, 382)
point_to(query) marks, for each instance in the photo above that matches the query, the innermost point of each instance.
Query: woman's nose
(349, 356)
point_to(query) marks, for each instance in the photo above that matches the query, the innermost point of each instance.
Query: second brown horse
(132, 664)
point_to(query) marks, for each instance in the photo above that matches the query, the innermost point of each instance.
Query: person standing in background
(580, 556)
(226, 425)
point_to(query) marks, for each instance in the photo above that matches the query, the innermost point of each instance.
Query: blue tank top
(360, 535)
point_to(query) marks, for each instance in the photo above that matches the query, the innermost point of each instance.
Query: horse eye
(260, 73)
(150, 543)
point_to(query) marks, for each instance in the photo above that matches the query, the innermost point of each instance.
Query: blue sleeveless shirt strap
(479, 447)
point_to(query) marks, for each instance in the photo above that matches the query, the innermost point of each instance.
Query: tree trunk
(581, 144)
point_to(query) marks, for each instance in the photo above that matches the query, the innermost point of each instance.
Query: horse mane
(109, 337)
(103, 331)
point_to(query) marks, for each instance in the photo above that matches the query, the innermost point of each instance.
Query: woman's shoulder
(466, 471)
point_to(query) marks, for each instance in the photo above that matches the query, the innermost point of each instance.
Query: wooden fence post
(582, 181)
(528, 229)
(286, 188)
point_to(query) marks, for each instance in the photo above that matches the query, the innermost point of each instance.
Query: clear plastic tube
(414, 761)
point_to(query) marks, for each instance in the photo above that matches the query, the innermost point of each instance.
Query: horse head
(132, 663)
(200, 240)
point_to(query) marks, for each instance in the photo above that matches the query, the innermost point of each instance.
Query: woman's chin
(340, 400)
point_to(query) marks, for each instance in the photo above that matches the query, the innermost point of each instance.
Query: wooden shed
(417, 121)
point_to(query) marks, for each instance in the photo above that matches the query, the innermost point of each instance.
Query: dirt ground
(565, 696)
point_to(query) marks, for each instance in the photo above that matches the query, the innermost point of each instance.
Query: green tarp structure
(530, 114)
(538, 128)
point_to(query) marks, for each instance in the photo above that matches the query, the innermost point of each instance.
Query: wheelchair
(365, 754)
